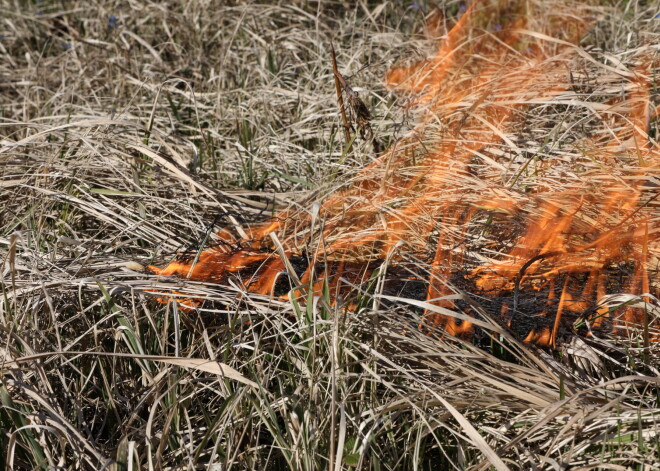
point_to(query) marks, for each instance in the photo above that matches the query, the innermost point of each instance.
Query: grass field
(131, 131)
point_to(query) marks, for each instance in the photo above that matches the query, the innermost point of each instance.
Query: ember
(548, 240)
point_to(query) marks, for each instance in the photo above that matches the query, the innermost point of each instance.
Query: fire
(447, 194)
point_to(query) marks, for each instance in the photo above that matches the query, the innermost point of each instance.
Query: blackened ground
(537, 298)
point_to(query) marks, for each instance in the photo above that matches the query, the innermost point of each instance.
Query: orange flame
(427, 193)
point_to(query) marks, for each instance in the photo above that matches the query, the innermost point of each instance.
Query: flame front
(449, 193)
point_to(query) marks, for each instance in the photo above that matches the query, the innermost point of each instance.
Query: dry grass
(127, 129)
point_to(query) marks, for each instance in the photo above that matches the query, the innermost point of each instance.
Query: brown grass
(123, 140)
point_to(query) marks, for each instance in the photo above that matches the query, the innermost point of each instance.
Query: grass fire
(457, 171)
(330, 235)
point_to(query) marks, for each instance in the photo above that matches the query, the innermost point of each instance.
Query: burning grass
(516, 201)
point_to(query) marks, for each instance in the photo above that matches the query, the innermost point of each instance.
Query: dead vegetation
(130, 131)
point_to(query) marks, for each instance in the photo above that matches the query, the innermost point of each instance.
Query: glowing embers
(543, 240)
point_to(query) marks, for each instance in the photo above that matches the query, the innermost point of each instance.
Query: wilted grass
(130, 130)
